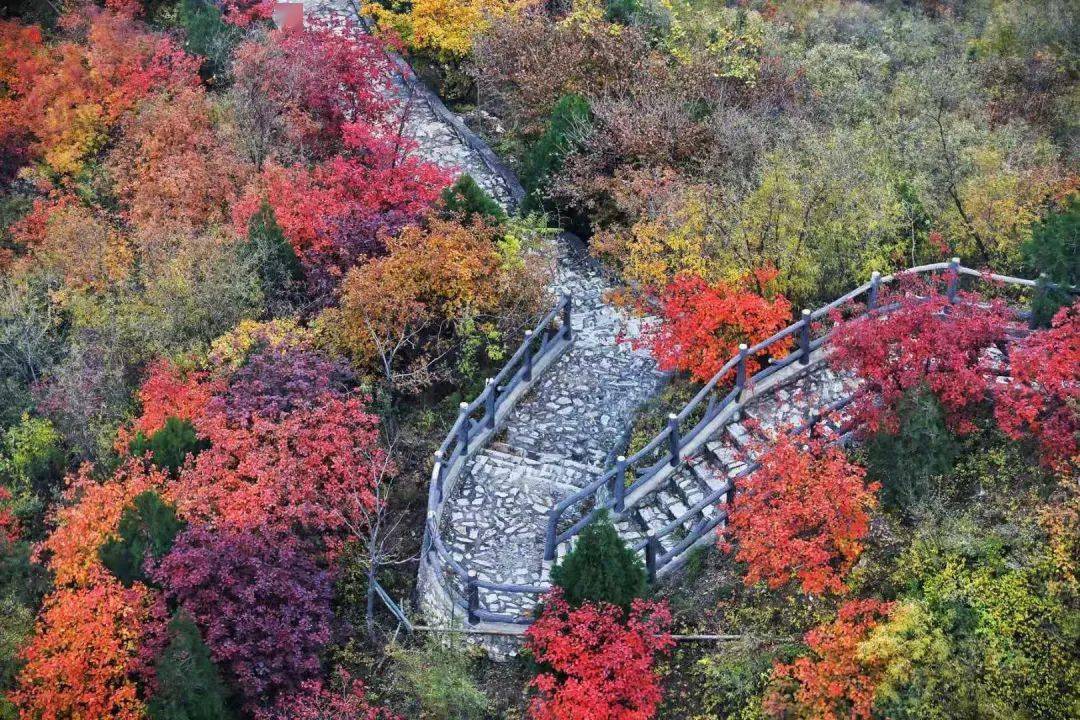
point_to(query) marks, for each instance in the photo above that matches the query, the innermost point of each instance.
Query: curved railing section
(632, 478)
(476, 424)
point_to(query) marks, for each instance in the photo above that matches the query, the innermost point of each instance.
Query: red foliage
(1043, 398)
(315, 701)
(323, 211)
(925, 342)
(91, 515)
(701, 325)
(833, 684)
(802, 515)
(246, 12)
(170, 392)
(90, 647)
(22, 61)
(9, 524)
(262, 604)
(598, 661)
(313, 471)
(316, 80)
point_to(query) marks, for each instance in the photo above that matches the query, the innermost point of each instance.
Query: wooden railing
(632, 478)
(476, 424)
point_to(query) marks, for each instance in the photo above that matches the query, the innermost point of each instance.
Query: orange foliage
(170, 392)
(173, 169)
(90, 517)
(833, 684)
(89, 647)
(802, 515)
(73, 92)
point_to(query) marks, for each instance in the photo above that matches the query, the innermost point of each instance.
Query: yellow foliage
(445, 28)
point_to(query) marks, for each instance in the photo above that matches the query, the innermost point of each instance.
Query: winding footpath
(559, 437)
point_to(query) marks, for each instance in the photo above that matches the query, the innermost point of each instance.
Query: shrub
(31, 465)
(437, 675)
(568, 123)
(189, 686)
(923, 447)
(148, 526)
(170, 446)
(802, 515)
(833, 683)
(469, 201)
(597, 660)
(262, 605)
(600, 568)
(1054, 249)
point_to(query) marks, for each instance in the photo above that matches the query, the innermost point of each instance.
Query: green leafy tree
(32, 462)
(170, 445)
(147, 526)
(923, 448)
(469, 200)
(189, 684)
(600, 568)
(1054, 249)
(570, 119)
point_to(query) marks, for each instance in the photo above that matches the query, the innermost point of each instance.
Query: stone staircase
(725, 456)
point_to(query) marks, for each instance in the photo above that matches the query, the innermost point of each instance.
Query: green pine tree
(569, 117)
(189, 684)
(467, 199)
(148, 525)
(600, 568)
(1054, 249)
(170, 445)
(279, 268)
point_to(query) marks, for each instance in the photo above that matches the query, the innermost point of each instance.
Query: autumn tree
(342, 698)
(174, 169)
(397, 312)
(832, 683)
(701, 325)
(802, 515)
(294, 93)
(1042, 397)
(261, 603)
(926, 341)
(90, 649)
(597, 661)
(87, 84)
(311, 472)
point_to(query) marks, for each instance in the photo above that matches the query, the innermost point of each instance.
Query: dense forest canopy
(240, 304)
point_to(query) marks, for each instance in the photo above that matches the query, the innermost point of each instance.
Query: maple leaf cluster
(926, 341)
(834, 683)
(596, 660)
(1042, 399)
(701, 325)
(802, 515)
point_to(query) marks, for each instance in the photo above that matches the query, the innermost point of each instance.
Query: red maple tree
(801, 516)
(9, 524)
(597, 660)
(1043, 397)
(833, 683)
(926, 341)
(702, 325)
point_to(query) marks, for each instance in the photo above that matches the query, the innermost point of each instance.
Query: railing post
(875, 284)
(549, 541)
(528, 355)
(740, 369)
(463, 428)
(440, 475)
(804, 338)
(673, 438)
(619, 491)
(566, 315)
(490, 401)
(954, 279)
(472, 594)
(650, 557)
